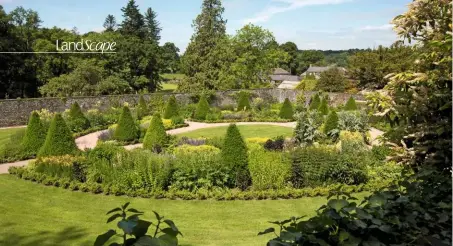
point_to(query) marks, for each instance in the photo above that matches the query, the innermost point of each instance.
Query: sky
(310, 24)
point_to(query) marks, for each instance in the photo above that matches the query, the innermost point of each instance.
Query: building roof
(289, 85)
(281, 71)
(285, 77)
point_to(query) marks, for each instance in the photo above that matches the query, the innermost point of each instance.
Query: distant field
(250, 131)
(169, 87)
(171, 81)
(173, 76)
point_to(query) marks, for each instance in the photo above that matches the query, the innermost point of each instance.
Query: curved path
(89, 141)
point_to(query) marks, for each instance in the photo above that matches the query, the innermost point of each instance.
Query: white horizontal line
(81, 52)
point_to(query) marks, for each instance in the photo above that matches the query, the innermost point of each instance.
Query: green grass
(34, 214)
(247, 131)
(6, 133)
(171, 76)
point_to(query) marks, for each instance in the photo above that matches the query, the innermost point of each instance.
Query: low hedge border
(201, 194)
(270, 120)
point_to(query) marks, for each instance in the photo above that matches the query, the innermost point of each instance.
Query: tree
(323, 108)
(243, 101)
(142, 108)
(133, 23)
(234, 155)
(170, 58)
(126, 130)
(35, 135)
(110, 23)
(171, 110)
(77, 121)
(306, 58)
(255, 57)
(315, 101)
(350, 104)
(286, 111)
(199, 61)
(331, 122)
(152, 26)
(292, 64)
(332, 80)
(59, 140)
(202, 108)
(156, 138)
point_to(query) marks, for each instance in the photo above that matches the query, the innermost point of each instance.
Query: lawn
(34, 214)
(169, 86)
(247, 131)
(6, 133)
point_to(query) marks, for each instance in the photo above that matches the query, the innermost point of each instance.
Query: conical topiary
(126, 129)
(350, 104)
(155, 137)
(234, 156)
(243, 102)
(77, 121)
(331, 122)
(35, 135)
(286, 111)
(315, 101)
(59, 140)
(323, 108)
(171, 109)
(202, 108)
(142, 108)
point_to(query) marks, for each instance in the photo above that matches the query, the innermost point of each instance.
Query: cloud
(288, 5)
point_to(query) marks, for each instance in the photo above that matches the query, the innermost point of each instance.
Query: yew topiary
(234, 156)
(243, 102)
(350, 104)
(35, 135)
(171, 109)
(142, 108)
(77, 121)
(286, 111)
(202, 108)
(315, 101)
(331, 122)
(156, 137)
(59, 140)
(323, 108)
(126, 129)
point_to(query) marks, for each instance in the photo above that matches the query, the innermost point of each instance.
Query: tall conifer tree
(133, 23)
(152, 26)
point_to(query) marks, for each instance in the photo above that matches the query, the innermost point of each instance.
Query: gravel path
(89, 141)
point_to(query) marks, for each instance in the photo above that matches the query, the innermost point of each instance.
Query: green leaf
(141, 228)
(169, 240)
(114, 210)
(343, 236)
(172, 225)
(103, 238)
(127, 226)
(360, 223)
(157, 216)
(268, 230)
(337, 204)
(114, 217)
(125, 205)
(361, 214)
(133, 210)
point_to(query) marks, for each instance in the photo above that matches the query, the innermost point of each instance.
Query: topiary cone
(244, 102)
(35, 135)
(59, 140)
(350, 104)
(331, 122)
(126, 129)
(286, 111)
(315, 102)
(202, 108)
(77, 118)
(142, 108)
(156, 136)
(323, 108)
(172, 108)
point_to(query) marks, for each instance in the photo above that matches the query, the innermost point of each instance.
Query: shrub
(300, 102)
(65, 166)
(354, 121)
(105, 151)
(202, 108)
(142, 108)
(35, 135)
(171, 109)
(331, 123)
(188, 149)
(243, 102)
(177, 121)
(156, 138)
(308, 123)
(268, 170)
(286, 111)
(77, 121)
(59, 140)
(275, 145)
(126, 129)
(332, 80)
(315, 101)
(352, 142)
(350, 104)
(323, 108)
(234, 155)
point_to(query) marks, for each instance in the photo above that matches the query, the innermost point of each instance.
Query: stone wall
(15, 112)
